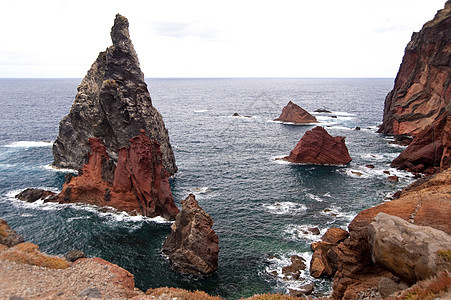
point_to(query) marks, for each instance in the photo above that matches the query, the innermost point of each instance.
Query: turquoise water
(260, 205)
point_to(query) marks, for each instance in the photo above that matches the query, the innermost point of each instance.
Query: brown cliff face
(192, 246)
(113, 104)
(138, 184)
(426, 204)
(422, 88)
(293, 113)
(319, 147)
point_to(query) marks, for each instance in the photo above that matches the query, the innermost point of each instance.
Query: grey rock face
(112, 104)
(409, 251)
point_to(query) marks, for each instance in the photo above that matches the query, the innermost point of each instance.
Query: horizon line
(215, 77)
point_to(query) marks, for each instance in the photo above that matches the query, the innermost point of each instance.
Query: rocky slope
(422, 88)
(293, 113)
(319, 147)
(424, 204)
(193, 246)
(112, 104)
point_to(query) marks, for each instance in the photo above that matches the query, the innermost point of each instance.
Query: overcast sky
(286, 38)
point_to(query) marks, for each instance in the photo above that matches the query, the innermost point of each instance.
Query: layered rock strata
(138, 184)
(193, 246)
(319, 147)
(112, 104)
(430, 151)
(422, 88)
(425, 204)
(293, 113)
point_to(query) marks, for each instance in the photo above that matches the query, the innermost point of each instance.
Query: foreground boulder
(293, 113)
(112, 104)
(425, 204)
(192, 247)
(430, 151)
(409, 251)
(319, 147)
(139, 184)
(422, 89)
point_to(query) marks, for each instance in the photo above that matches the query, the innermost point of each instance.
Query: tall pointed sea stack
(112, 104)
(422, 89)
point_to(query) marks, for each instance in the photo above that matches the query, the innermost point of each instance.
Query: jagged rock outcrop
(430, 151)
(112, 104)
(192, 247)
(9, 237)
(293, 113)
(422, 88)
(138, 184)
(425, 204)
(34, 194)
(319, 147)
(409, 251)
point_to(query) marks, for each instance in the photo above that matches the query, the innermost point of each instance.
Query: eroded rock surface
(112, 104)
(422, 89)
(192, 247)
(426, 204)
(9, 237)
(409, 251)
(319, 147)
(138, 184)
(293, 113)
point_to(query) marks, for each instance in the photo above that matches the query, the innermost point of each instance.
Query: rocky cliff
(112, 104)
(422, 88)
(138, 184)
(192, 246)
(319, 147)
(293, 113)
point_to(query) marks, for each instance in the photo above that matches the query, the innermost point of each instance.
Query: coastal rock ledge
(112, 104)
(192, 247)
(319, 147)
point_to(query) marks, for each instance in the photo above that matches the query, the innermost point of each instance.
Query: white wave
(340, 128)
(337, 213)
(301, 232)
(201, 110)
(315, 197)
(394, 145)
(107, 212)
(344, 114)
(29, 144)
(292, 123)
(278, 159)
(26, 215)
(77, 218)
(282, 208)
(373, 156)
(200, 190)
(277, 262)
(327, 195)
(55, 169)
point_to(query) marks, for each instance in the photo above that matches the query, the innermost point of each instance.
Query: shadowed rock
(192, 247)
(112, 104)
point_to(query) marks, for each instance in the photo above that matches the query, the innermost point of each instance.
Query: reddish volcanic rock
(425, 204)
(293, 113)
(422, 89)
(138, 184)
(431, 148)
(318, 147)
(192, 247)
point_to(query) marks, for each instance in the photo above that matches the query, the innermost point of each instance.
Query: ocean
(261, 206)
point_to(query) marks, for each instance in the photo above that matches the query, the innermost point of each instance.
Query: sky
(246, 38)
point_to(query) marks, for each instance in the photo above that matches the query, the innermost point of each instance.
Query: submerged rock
(293, 113)
(112, 104)
(422, 89)
(319, 147)
(192, 247)
(139, 184)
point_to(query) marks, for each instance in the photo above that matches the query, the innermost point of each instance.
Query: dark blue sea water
(261, 206)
